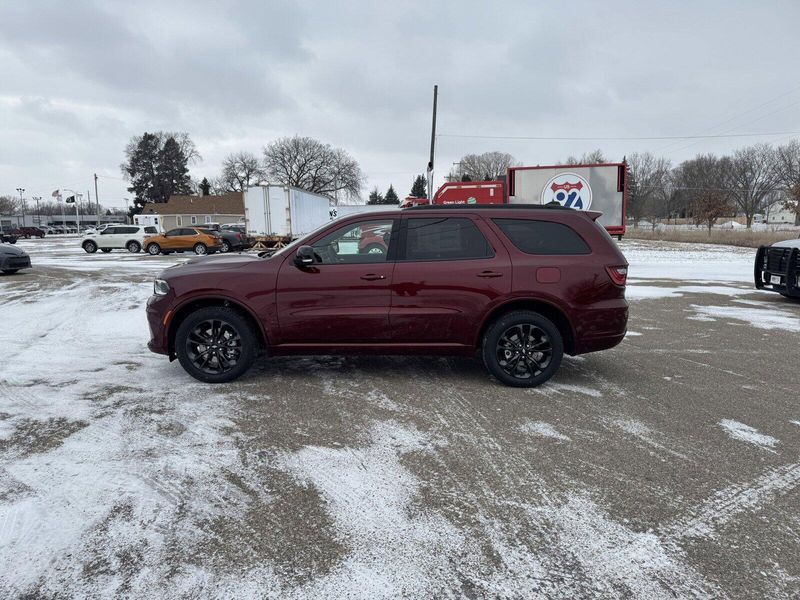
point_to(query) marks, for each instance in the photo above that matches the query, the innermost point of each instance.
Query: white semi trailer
(283, 211)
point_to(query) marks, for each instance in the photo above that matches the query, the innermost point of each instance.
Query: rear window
(445, 239)
(542, 237)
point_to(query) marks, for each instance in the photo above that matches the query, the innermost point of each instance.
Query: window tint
(150, 229)
(542, 237)
(109, 231)
(174, 232)
(127, 230)
(364, 242)
(445, 239)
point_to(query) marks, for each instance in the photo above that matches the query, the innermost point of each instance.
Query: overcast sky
(78, 79)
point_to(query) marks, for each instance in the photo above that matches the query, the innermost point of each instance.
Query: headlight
(160, 287)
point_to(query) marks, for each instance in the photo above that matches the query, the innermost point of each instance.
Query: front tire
(374, 249)
(153, 249)
(216, 344)
(200, 249)
(134, 247)
(90, 247)
(523, 349)
(10, 271)
(226, 246)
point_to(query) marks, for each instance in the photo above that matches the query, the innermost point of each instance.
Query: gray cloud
(79, 78)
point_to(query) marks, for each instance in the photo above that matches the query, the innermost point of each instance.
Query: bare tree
(753, 177)
(702, 187)
(8, 205)
(483, 167)
(587, 158)
(314, 166)
(240, 171)
(648, 186)
(787, 164)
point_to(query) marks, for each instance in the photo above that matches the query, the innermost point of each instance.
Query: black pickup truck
(777, 268)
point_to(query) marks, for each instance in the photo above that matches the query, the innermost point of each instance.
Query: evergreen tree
(205, 187)
(391, 196)
(375, 197)
(420, 187)
(157, 167)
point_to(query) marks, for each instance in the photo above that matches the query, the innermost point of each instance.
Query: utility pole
(433, 144)
(97, 199)
(21, 191)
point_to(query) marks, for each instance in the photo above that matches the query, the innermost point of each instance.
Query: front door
(344, 296)
(449, 270)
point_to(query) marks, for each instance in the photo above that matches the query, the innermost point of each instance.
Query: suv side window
(444, 239)
(109, 231)
(542, 237)
(363, 242)
(150, 229)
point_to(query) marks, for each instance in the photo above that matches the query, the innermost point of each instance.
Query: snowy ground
(667, 467)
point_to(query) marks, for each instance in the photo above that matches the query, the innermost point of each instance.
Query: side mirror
(304, 256)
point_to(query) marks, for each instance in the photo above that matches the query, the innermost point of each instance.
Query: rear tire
(10, 271)
(134, 247)
(200, 249)
(153, 249)
(374, 249)
(522, 349)
(90, 247)
(216, 344)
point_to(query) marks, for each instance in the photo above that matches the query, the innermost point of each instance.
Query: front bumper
(778, 269)
(158, 315)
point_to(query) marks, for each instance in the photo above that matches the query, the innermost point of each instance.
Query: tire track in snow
(705, 520)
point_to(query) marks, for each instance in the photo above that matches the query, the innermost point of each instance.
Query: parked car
(374, 239)
(29, 232)
(8, 238)
(231, 240)
(777, 268)
(130, 237)
(521, 284)
(182, 239)
(13, 259)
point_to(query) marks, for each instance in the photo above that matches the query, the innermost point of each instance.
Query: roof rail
(551, 206)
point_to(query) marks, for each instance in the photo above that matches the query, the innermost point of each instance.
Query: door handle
(372, 277)
(489, 274)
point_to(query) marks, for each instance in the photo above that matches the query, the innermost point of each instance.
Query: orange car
(182, 239)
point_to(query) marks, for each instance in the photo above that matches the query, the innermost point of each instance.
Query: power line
(617, 138)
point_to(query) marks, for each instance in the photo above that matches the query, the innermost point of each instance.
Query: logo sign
(568, 189)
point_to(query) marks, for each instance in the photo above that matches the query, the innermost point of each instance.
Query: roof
(225, 204)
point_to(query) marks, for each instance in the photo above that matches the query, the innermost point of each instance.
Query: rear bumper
(778, 270)
(15, 262)
(601, 327)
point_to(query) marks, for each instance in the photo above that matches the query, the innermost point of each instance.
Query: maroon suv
(520, 284)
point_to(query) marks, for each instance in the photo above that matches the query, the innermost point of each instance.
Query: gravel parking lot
(667, 467)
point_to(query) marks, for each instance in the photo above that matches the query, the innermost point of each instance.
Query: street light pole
(38, 214)
(21, 191)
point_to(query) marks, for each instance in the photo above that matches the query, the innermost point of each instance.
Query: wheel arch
(547, 309)
(193, 304)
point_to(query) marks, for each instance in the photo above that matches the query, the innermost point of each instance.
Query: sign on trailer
(597, 187)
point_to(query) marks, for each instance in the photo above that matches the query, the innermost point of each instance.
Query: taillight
(238, 236)
(618, 274)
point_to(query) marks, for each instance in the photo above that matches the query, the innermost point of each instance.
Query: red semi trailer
(598, 187)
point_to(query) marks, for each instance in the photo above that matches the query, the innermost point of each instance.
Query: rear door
(344, 296)
(449, 270)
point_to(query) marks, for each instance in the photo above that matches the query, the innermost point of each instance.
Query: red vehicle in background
(598, 187)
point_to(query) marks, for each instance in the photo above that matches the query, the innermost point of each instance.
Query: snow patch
(543, 429)
(745, 433)
(763, 318)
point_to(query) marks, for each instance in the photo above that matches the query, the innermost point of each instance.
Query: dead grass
(731, 237)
